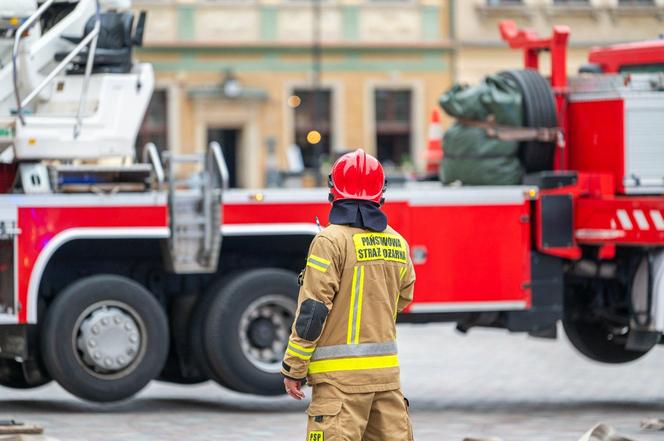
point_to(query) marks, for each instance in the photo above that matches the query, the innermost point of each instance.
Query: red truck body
(579, 244)
(472, 246)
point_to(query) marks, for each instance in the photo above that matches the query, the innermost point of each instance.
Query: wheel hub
(109, 340)
(264, 329)
(262, 333)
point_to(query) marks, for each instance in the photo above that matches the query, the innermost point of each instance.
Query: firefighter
(358, 276)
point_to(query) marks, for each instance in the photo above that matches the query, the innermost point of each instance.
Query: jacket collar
(360, 214)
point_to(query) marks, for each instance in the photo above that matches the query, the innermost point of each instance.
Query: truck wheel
(182, 366)
(105, 337)
(30, 373)
(197, 331)
(593, 334)
(539, 110)
(246, 330)
(595, 341)
(12, 375)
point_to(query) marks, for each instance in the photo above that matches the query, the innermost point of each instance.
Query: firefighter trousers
(374, 416)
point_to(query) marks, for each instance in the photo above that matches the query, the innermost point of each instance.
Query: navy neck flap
(360, 214)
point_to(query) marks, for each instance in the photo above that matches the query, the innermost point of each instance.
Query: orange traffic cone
(435, 146)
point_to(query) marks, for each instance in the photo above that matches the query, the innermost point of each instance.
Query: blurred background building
(261, 76)
(244, 72)
(593, 23)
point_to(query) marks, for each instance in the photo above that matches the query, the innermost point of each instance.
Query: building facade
(592, 23)
(262, 75)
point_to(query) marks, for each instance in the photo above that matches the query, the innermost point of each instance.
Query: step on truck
(118, 267)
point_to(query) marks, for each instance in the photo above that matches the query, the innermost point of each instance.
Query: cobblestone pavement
(487, 383)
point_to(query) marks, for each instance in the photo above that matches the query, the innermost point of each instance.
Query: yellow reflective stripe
(301, 348)
(316, 266)
(402, 273)
(349, 338)
(318, 263)
(319, 259)
(359, 307)
(295, 354)
(353, 364)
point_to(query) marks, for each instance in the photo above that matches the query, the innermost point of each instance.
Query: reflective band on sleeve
(320, 260)
(355, 313)
(353, 364)
(298, 351)
(402, 272)
(364, 349)
(299, 348)
(299, 355)
(318, 263)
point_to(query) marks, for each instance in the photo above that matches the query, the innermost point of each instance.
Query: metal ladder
(195, 211)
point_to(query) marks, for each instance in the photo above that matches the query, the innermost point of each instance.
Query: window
(155, 124)
(636, 2)
(313, 112)
(570, 2)
(393, 125)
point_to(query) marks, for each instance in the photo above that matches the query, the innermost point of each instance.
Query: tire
(591, 340)
(592, 335)
(182, 365)
(253, 310)
(31, 373)
(539, 110)
(123, 316)
(12, 375)
(196, 330)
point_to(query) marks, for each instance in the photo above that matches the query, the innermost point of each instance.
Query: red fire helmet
(357, 175)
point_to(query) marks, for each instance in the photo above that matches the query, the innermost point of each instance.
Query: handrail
(220, 162)
(17, 40)
(59, 68)
(88, 40)
(88, 70)
(150, 152)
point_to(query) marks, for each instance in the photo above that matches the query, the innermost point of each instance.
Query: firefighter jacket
(354, 283)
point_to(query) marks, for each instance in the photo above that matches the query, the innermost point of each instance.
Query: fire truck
(119, 268)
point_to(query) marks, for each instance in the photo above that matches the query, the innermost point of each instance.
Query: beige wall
(259, 120)
(184, 37)
(473, 63)
(240, 21)
(601, 22)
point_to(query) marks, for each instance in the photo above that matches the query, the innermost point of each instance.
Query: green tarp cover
(470, 156)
